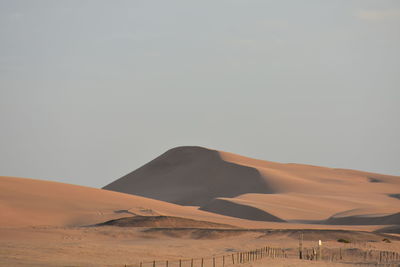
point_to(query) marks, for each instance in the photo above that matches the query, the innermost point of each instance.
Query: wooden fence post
(202, 262)
(319, 257)
(213, 262)
(154, 263)
(301, 246)
(166, 263)
(223, 261)
(191, 263)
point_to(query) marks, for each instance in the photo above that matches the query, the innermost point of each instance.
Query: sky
(92, 90)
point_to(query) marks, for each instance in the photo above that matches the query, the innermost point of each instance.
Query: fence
(354, 255)
(218, 260)
(345, 255)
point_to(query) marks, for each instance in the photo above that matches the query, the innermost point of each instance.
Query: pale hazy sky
(91, 90)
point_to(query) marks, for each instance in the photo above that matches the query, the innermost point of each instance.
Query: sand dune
(36, 203)
(242, 187)
(220, 187)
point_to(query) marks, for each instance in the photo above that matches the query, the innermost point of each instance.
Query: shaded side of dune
(394, 196)
(191, 176)
(392, 219)
(229, 208)
(393, 229)
(162, 222)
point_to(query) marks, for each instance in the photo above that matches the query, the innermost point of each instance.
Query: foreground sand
(114, 246)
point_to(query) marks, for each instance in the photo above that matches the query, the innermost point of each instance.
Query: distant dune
(242, 187)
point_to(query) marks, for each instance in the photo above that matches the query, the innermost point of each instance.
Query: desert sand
(193, 203)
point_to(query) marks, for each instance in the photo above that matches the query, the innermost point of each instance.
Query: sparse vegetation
(386, 240)
(342, 240)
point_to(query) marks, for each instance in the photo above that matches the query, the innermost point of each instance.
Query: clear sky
(91, 90)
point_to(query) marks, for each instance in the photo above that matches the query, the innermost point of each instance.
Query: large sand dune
(242, 187)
